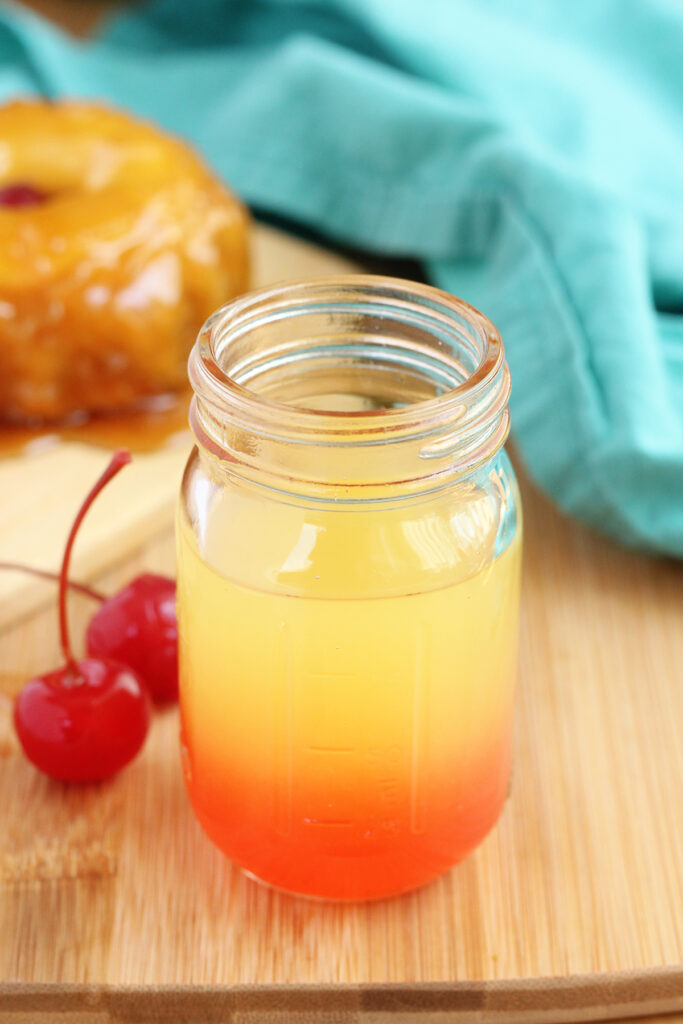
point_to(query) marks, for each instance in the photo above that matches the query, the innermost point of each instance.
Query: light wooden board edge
(584, 998)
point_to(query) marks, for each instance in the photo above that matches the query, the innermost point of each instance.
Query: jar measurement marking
(283, 725)
(384, 764)
(326, 821)
(420, 727)
(331, 750)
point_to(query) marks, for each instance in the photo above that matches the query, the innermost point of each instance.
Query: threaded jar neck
(350, 388)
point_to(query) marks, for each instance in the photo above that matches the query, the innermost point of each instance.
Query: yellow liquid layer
(345, 746)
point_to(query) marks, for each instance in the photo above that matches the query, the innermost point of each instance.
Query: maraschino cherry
(138, 627)
(86, 720)
(21, 193)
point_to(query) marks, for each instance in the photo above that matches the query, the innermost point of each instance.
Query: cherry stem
(119, 459)
(80, 588)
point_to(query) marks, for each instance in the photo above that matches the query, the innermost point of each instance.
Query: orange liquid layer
(360, 837)
(346, 747)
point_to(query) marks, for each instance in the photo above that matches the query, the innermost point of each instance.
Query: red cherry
(86, 720)
(21, 193)
(82, 723)
(138, 627)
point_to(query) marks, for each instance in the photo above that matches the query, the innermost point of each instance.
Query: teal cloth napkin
(530, 153)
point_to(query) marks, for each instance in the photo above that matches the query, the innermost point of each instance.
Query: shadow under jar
(349, 541)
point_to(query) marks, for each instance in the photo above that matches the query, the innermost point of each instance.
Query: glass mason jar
(349, 543)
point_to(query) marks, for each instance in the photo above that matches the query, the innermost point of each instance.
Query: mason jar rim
(231, 315)
(464, 424)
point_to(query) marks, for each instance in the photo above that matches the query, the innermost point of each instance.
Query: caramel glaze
(159, 423)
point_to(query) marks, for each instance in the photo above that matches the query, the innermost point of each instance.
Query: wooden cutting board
(112, 902)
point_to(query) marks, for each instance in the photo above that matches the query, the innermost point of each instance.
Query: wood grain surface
(531, 1001)
(115, 885)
